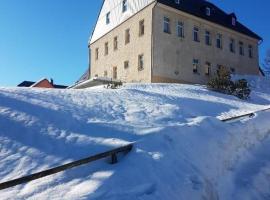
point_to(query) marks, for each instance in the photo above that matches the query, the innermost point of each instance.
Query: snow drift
(182, 150)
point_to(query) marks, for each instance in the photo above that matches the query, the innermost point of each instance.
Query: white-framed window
(196, 34)
(140, 62)
(96, 53)
(127, 36)
(219, 41)
(108, 17)
(126, 64)
(124, 6)
(141, 28)
(250, 51)
(195, 66)
(166, 25)
(115, 43)
(114, 72)
(208, 11)
(180, 29)
(207, 38)
(232, 45)
(233, 21)
(207, 68)
(241, 48)
(106, 48)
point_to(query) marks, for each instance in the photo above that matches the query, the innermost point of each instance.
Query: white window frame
(180, 29)
(108, 20)
(124, 6)
(166, 25)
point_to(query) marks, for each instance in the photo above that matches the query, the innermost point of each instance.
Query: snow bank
(182, 150)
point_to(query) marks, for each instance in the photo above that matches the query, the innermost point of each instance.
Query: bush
(242, 89)
(223, 83)
(114, 85)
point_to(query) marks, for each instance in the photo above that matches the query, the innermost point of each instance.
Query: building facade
(183, 41)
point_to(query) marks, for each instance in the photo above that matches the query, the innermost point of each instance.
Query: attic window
(208, 11)
(233, 21)
(108, 18)
(124, 6)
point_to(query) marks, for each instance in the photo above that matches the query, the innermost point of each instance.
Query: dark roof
(218, 16)
(30, 83)
(60, 86)
(26, 84)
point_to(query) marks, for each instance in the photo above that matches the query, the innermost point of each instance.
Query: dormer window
(233, 21)
(177, 1)
(208, 11)
(124, 6)
(108, 18)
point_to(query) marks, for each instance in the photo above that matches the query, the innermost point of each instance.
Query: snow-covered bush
(242, 89)
(114, 85)
(224, 84)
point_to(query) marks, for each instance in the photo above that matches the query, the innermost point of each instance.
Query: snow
(182, 149)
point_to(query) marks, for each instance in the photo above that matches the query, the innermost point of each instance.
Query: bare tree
(266, 64)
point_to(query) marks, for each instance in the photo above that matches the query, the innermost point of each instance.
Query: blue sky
(49, 38)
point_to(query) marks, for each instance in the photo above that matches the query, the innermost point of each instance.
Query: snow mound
(182, 149)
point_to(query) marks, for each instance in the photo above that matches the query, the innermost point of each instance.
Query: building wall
(43, 84)
(126, 52)
(116, 15)
(173, 56)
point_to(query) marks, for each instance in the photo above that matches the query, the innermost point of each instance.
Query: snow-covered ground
(182, 149)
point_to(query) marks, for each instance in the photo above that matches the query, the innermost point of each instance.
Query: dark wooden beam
(112, 154)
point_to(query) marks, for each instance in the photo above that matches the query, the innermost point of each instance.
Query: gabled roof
(218, 16)
(26, 84)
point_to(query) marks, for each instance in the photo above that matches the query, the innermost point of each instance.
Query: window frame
(140, 62)
(166, 25)
(196, 37)
(180, 31)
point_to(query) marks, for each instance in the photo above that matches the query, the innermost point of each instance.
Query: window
(219, 41)
(140, 62)
(207, 68)
(195, 65)
(115, 43)
(180, 29)
(232, 45)
(196, 34)
(208, 11)
(126, 64)
(108, 18)
(177, 1)
(250, 51)
(105, 73)
(207, 38)
(241, 48)
(96, 52)
(124, 6)
(114, 72)
(233, 21)
(141, 28)
(166, 25)
(127, 36)
(106, 48)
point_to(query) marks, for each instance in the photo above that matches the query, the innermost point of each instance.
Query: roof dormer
(233, 19)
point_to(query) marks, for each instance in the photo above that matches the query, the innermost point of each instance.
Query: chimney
(52, 82)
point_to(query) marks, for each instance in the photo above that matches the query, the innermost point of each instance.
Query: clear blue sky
(48, 38)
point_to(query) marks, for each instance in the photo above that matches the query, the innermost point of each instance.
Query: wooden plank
(64, 167)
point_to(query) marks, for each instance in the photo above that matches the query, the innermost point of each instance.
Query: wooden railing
(112, 154)
(251, 114)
